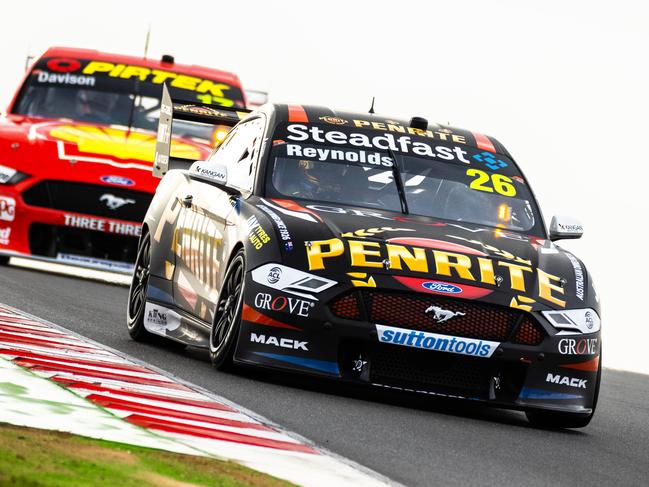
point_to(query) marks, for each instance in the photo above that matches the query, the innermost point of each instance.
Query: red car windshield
(116, 94)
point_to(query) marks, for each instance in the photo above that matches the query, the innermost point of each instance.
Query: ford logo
(441, 287)
(118, 180)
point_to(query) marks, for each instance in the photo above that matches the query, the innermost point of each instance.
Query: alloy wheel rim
(139, 283)
(227, 307)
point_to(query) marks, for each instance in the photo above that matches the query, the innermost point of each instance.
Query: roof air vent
(167, 59)
(419, 123)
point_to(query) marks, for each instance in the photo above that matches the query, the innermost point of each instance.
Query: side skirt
(175, 324)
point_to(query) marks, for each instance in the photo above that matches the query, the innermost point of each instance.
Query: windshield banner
(115, 77)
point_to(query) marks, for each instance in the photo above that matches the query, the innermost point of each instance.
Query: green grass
(34, 457)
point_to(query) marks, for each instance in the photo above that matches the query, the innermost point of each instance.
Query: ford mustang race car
(396, 254)
(76, 149)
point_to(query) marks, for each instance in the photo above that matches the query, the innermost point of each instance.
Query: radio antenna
(372, 107)
(146, 41)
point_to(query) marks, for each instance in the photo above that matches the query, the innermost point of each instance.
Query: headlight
(582, 320)
(9, 175)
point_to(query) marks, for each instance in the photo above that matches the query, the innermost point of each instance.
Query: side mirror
(563, 227)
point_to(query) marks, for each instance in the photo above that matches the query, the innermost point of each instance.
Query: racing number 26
(499, 183)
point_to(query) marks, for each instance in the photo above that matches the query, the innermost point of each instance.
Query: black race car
(397, 254)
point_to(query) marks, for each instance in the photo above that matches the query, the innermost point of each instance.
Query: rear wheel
(555, 420)
(137, 292)
(227, 318)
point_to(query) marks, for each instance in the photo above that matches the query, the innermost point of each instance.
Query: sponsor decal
(103, 264)
(113, 142)
(582, 320)
(579, 276)
(6, 173)
(114, 202)
(431, 258)
(355, 156)
(370, 232)
(281, 227)
(280, 342)
(7, 208)
(333, 120)
(489, 160)
(403, 144)
(566, 381)
(347, 211)
(393, 126)
(441, 287)
(65, 79)
(63, 65)
(117, 180)
(361, 279)
(436, 342)
(274, 275)
(578, 346)
(442, 315)
(5, 233)
(256, 234)
(100, 225)
(291, 280)
(284, 304)
(209, 173)
(209, 92)
(570, 228)
(290, 208)
(158, 319)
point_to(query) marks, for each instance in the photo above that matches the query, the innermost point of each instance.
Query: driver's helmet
(93, 102)
(322, 176)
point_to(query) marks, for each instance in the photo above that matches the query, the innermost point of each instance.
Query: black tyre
(554, 420)
(227, 318)
(137, 292)
(4, 259)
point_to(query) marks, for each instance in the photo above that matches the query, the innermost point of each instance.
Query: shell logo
(119, 143)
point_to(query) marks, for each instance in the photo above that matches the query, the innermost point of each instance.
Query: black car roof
(319, 114)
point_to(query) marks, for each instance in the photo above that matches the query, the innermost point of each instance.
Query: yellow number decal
(501, 184)
(481, 178)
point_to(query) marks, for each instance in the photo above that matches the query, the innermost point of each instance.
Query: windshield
(116, 94)
(443, 181)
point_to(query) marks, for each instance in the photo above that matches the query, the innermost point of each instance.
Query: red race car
(77, 145)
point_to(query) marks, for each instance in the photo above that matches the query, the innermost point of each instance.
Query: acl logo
(584, 346)
(281, 342)
(7, 208)
(285, 304)
(566, 381)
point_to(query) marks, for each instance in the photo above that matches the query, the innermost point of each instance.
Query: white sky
(564, 85)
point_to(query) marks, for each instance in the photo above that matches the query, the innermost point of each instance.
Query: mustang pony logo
(441, 315)
(113, 202)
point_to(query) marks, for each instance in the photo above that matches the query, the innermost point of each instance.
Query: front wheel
(137, 292)
(227, 318)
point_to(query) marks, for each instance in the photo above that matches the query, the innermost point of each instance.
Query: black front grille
(90, 199)
(414, 311)
(435, 371)
(51, 240)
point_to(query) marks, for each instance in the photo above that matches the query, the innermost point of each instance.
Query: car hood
(66, 149)
(420, 254)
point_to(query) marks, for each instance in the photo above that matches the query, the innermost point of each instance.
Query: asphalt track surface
(414, 441)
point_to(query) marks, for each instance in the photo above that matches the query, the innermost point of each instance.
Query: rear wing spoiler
(171, 110)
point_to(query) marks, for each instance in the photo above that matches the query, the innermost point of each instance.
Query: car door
(203, 241)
